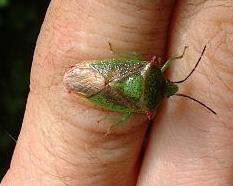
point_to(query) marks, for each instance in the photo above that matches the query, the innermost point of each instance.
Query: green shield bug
(126, 85)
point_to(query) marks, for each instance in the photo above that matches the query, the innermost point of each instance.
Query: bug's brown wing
(83, 80)
(116, 69)
(88, 78)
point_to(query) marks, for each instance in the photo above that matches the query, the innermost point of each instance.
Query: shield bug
(126, 85)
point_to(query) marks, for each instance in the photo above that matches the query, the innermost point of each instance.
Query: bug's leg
(120, 120)
(169, 61)
(156, 60)
(198, 61)
(149, 115)
(131, 54)
(124, 117)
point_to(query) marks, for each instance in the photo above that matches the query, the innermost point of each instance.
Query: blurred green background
(20, 22)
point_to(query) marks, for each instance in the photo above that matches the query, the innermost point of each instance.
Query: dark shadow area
(20, 22)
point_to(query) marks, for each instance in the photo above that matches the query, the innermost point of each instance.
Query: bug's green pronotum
(126, 85)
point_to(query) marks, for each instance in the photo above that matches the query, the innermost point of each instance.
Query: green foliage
(4, 3)
(20, 21)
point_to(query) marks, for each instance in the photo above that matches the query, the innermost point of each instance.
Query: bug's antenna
(181, 81)
(186, 96)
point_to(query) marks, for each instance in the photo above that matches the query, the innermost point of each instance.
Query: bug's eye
(170, 88)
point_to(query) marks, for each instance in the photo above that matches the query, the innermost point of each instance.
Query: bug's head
(170, 88)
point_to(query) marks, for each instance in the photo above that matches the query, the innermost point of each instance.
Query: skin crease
(61, 142)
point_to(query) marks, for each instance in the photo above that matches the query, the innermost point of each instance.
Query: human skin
(61, 141)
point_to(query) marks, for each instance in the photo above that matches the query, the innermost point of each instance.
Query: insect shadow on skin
(126, 84)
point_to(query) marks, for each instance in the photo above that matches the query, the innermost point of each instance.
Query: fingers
(62, 142)
(191, 146)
